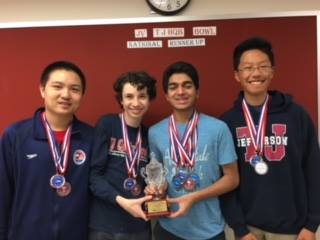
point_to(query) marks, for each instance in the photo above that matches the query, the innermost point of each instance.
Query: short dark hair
(139, 79)
(62, 65)
(180, 67)
(250, 44)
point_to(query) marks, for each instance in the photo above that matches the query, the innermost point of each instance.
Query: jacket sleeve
(311, 169)
(99, 185)
(6, 183)
(233, 214)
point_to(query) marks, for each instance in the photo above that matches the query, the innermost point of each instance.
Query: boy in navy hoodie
(44, 167)
(278, 155)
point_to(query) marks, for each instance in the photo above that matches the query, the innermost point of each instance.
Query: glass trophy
(154, 175)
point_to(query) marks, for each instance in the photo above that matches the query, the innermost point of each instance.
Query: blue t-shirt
(215, 148)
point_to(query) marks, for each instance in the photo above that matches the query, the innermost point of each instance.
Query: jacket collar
(38, 128)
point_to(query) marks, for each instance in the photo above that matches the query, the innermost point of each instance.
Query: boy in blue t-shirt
(194, 148)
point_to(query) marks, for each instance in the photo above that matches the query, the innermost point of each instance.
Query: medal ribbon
(183, 152)
(60, 156)
(256, 135)
(132, 153)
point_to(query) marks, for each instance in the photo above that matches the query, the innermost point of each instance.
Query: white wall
(48, 10)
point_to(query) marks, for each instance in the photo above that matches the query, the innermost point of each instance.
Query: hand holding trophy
(154, 175)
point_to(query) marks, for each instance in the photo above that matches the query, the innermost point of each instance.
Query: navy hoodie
(287, 198)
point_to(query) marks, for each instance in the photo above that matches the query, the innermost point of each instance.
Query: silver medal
(261, 168)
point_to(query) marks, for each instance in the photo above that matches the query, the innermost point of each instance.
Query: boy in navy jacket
(44, 164)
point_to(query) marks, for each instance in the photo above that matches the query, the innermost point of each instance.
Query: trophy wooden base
(157, 208)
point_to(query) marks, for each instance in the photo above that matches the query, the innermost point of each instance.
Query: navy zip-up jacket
(29, 207)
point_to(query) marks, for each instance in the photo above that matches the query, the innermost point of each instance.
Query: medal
(132, 159)
(195, 177)
(182, 175)
(176, 181)
(189, 185)
(182, 153)
(255, 159)
(257, 136)
(136, 190)
(57, 181)
(179, 179)
(129, 183)
(59, 155)
(192, 182)
(261, 168)
(259, 165)
(64, 190)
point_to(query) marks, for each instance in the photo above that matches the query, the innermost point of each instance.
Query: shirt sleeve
(227, 153)
(6, 183)
(99, 185)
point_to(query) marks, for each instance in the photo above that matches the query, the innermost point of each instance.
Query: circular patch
(79, 157)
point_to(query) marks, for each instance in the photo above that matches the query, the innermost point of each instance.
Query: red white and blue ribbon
(257, 135)
(60, 155)
(133, 153)
(183, 151)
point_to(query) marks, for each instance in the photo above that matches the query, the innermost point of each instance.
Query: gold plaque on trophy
(157, 208)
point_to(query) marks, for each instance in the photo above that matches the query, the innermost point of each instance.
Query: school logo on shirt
(274, 145)
(79, 157)
(117, 148)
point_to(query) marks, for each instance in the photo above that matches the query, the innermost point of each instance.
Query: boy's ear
(41, 88)
(236, 75)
